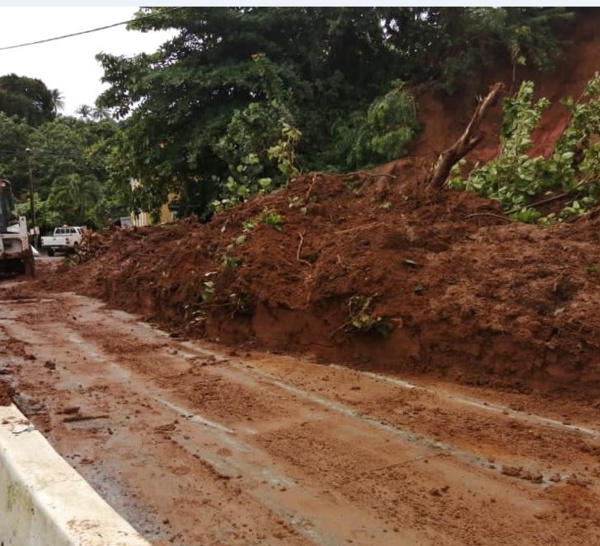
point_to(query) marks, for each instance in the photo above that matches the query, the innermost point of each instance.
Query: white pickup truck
(65, 239)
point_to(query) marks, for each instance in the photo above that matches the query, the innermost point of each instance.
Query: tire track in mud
(139, 434)
(299, 453)
(456, 405)
(226, 455)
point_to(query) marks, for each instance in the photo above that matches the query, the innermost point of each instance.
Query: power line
(149, 16)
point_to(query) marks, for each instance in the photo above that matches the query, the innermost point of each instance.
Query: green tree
(70, 158)
(229, 64)
(73, 149)
(84, 111)
(330, 69)
(58, 101)
(27, 98)
(14, 140)
(74, 197)
(390, 125)
(46, 217)
(100, 114)
(57, 150)
(570, 174)
(450, 46)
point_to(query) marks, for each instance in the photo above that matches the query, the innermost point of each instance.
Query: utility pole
(31, 203)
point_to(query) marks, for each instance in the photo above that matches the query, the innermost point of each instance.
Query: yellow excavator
(16, 252)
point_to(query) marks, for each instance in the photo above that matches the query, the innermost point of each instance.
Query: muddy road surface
(197, 444)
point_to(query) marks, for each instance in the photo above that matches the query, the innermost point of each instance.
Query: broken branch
(468, 140)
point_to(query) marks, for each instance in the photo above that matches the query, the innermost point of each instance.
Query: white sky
(69, 65)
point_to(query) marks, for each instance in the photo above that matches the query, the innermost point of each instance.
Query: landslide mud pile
(377, 271)
(373, 271)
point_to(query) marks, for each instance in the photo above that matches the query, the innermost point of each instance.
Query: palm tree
(57, 101)
(85, 111)
(75, 196)
(100, 113)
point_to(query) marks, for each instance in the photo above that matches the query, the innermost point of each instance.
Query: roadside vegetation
(568, 176)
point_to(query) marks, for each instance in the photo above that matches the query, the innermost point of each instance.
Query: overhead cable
(150, 15)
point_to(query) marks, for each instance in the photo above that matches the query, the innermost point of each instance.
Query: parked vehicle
(16, 254)
(65, 239)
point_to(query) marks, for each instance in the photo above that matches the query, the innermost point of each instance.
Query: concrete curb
(44, 501)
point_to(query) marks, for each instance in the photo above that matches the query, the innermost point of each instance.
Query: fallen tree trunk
(468, 140)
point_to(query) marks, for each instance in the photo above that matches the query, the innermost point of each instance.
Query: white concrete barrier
(43, 501)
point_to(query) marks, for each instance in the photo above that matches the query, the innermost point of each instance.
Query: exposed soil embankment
(375, 272)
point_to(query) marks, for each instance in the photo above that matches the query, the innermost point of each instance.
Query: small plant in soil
(241, 239)
(208, 291)
(271, 218)
(237, 241)
(362, 318)
(297, 202)
(248, 225)
(230, 262)
(198, 316)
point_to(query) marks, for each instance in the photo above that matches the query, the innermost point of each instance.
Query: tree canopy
(69, 160)
(201, 113)
(27, 98)
(242, 99)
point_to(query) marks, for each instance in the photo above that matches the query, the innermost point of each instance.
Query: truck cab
(65, 239)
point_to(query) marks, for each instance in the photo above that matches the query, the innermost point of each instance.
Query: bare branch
(468, 140)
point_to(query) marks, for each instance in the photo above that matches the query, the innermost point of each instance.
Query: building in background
(145, 218)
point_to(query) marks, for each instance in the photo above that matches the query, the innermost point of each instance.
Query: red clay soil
(9, 350)
(5, 393)
(375, 271)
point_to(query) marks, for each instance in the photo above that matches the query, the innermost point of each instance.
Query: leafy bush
(520, 182)
(259, 148)
(391, 124)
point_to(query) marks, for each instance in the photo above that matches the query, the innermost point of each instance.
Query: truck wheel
(50, 252)
(30, 266)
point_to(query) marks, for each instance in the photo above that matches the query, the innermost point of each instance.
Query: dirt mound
(374, 270)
